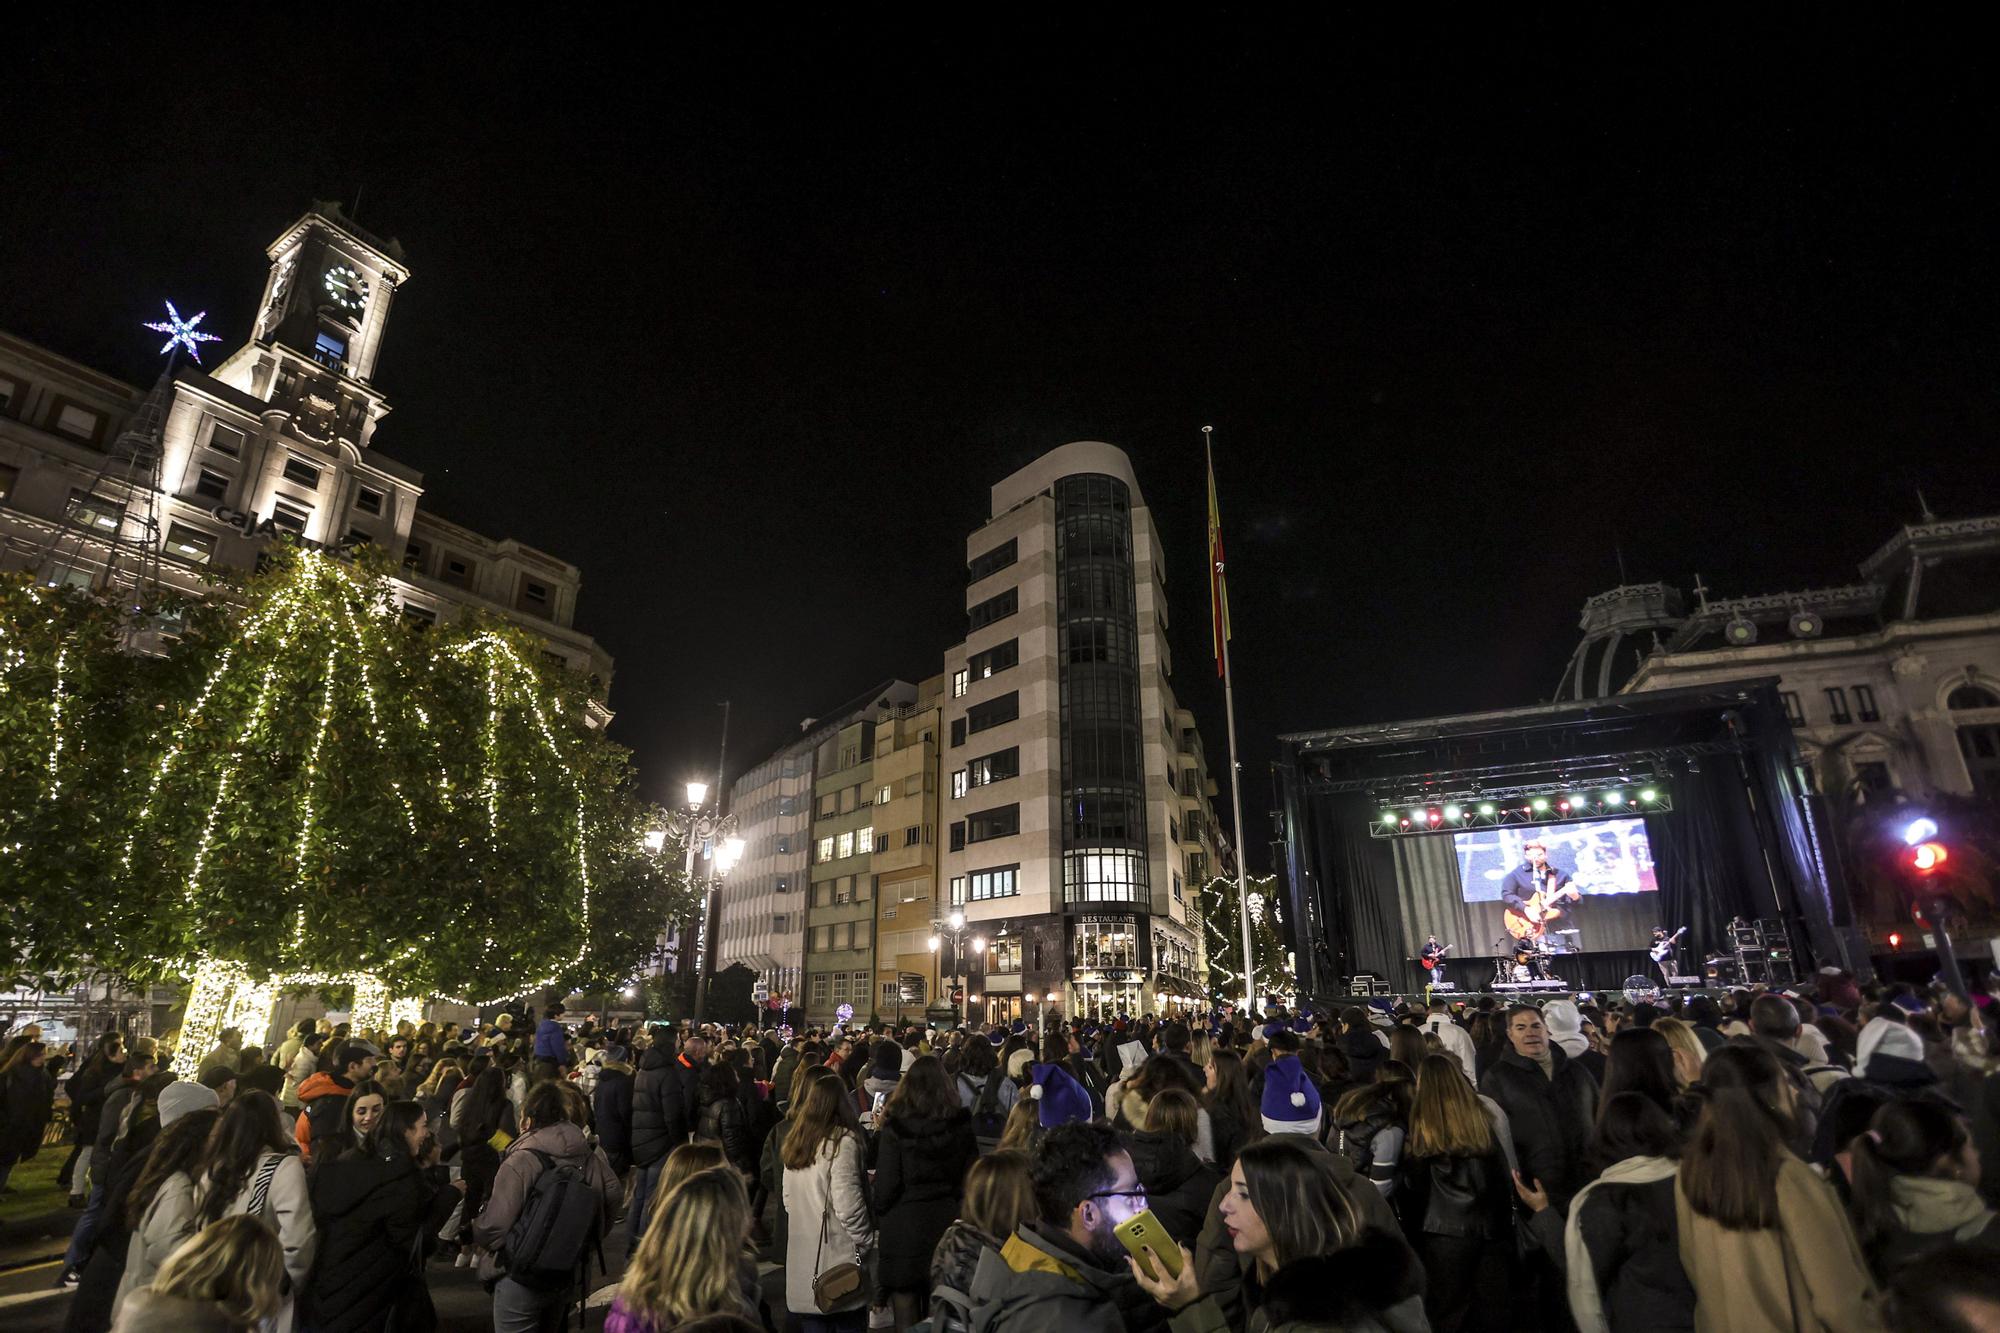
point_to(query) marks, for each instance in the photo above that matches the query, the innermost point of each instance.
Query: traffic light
(1926, 858)
(1895, 939)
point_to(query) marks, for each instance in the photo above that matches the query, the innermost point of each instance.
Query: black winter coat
(86, 1096)
(721, 1120)
(1551, 1115)
(1178, 1184)
(659, 1122)
(1364, 1053)
(378, 1218)
(103, 1266)
(1633, 1237)
(920, 1167)
(611, 1108)
(1471, 1197)
(1230, 1134)
(27, 1099)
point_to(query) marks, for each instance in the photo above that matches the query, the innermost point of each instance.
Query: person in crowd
(483, 1120)
(885, 1069)
(1641, 1060)
(999, 1197)
(226, 1278)
(721, 1119)
(1455, 1197)
(396, 1070)
(1914, 1178)
(1689, 1053)
(687, 1159)
(552, 1042)
(550, 1136)
(1564, 1022)
(771, 1166)
(1370, 1121)
(324, 1096)
(692, 1260)
(1407, 1046)
(27, 1100)
(1232, 1113)
(1704, 1015)
(1310, 1258)
(1621, 1242)
(1065, 1269)
(1359, 1045)
(227, 1053)
(1764, 1240)
(304, 1064)
(923, 1149)
(1952, 1290)
(1178, 1184)
(287, 1050)
(1551, 1104)
(249, 1170)
(825, 1190)
(611, 1107)
(1889, 1065)
(1455, 1039)
(87, 1089)
(434, 1094)
(660, 1120)
(160, 1208)
(222, 1080)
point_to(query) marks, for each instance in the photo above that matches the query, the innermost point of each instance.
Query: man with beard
(1065, 1269)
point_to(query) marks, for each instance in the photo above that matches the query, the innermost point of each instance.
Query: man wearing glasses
(1066, 1270)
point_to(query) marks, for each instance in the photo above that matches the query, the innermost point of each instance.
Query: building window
(1871, 779)
(10, 391)
(881, 842)
(534, 598)
(1795, 712)
(819, 985)
(458, 571)
(1177, 886)
(995, 659)
(1004, 957)
(994, 608)
(211, 485)
(995, 767)
(1864, 704)
(1107, 874)
(190, 544)
(913, 836)
(991, 562)
(960, 682)
(843, 845)
(413, 555)
(958, 890)
(422, 615)
(957, 784)
(95, 512)
(8, 477)
(330, 351)
(822, 938)
(958, 835)
(226, 440)
(368, 501)
(864, 839)
(999, 882)
(1105, 942)
(999, 822)
(79, 423)
(829, 805)
(303, 473)
(993, 712)
(884, 794)
(1836, 703)
(823, 851)
(957, 731)
(290, 519)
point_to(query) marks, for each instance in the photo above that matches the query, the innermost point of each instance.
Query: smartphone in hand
(1144, 1231)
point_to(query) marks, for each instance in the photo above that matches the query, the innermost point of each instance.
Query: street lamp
(696, 824)
(955, 927)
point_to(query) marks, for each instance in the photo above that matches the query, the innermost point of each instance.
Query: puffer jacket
(658, 1122)
(1178, 1184)
(1039, 1279)
(721, 1121)
(378, 1217)
(1622, 1252)
(611, 1108)
(920, 1167)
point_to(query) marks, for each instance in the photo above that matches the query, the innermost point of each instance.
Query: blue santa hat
(1291, 1102)
(996, 1039)
(1273, 1028)
(1019, 1027)
(1063, 1100)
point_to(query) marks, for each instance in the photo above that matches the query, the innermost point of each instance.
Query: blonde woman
(1689, 1054)
(692, 1261)
(826, 1203)
(1456, 1194)
(226, 1276)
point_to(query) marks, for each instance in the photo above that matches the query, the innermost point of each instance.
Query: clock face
(348, 289)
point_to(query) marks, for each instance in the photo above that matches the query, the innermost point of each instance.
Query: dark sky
(745, 321)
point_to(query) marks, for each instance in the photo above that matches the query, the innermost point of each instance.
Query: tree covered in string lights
(333, 790)
(1219, 906)
(72, 711)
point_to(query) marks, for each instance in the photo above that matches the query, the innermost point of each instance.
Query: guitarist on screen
(1530, 893)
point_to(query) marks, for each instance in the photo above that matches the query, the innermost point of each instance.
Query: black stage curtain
(1358, 891)
(1795, 835)
(1698, 851)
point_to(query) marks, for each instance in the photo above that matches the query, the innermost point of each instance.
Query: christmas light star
(182, 331)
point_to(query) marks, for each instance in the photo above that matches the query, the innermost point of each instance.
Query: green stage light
(1388, 816)
(1452, 812)
(1614, 798)
(1486, 809)
(1649, 795)
(1541, 803)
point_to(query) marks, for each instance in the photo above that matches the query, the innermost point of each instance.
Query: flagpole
(1235, 768)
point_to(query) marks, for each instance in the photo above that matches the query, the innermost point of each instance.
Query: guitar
(1660, 951)
(1542, 909)
(1430, 964)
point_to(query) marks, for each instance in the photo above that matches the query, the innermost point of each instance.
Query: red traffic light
(1926, 857)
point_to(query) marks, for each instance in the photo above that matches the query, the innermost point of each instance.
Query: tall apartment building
(905, 864)
(1064, 760)
(277, 437)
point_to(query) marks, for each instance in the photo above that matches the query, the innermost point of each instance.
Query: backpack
(559, 1221)
(988, 1120)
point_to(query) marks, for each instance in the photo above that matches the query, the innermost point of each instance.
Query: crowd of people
(1818, 1158)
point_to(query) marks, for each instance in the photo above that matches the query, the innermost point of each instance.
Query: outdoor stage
(1666, 808)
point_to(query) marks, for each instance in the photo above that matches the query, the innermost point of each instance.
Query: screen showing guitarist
(1532, 893)
(1432, 959)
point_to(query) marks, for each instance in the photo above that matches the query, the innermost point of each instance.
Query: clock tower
(319, 327)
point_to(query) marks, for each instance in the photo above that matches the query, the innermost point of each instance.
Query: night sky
(745, 321)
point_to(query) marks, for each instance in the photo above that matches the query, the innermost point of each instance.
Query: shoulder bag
(836, 1286)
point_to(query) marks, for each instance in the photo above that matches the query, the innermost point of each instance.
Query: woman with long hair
(27, 1100)
(692, 1261)
(379, 1211)
(1369, 1122)
(1914, 1187)
(1641, 1060)
(1764, 1240)
(826, 1202)
(1689, 1053)
(1232, 1112)
(87, 1088)
(483, 1119)
(1178, 1184)
(1310, 1256)
(999, 1197)
(158, 1213)
(1455, 1196)
(227, 1275)
(252, 1171)
(1621, 1240)
(1023, 1127)
(720, 1118)
(922, 1151)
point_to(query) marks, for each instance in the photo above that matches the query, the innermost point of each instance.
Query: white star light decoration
(182, 331)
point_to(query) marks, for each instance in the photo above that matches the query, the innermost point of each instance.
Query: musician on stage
(1433, 956)
(1534, 876)
(1662, 950)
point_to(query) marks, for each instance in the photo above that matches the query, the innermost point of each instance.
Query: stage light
(1541, 803)
(1563, 806)
(1452, 812)
(1406, 823)
(1416, 814)
(1432, 817)
(1649, 795)
(1919, 830)
(1614, 798)
(1486, 809)
(1388, 816)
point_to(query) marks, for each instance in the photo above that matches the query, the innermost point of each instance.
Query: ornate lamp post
(693, 825)
(954, 927)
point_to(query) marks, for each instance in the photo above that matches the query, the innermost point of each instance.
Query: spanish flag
(1218, 588)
